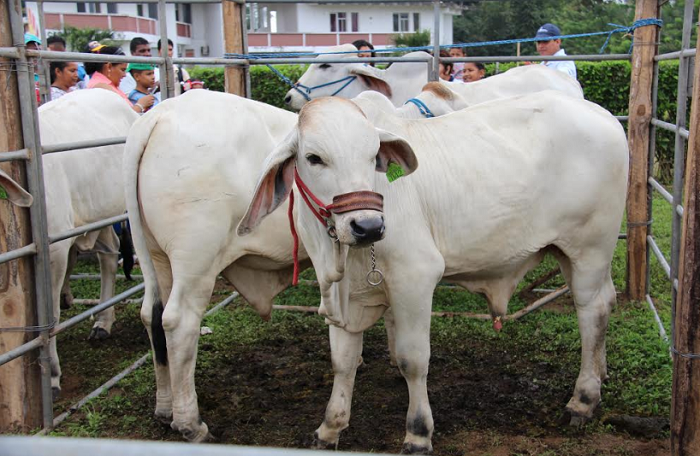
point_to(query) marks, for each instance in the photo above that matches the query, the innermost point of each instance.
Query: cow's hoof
(412, 448)
(55, 392)
(97, 333)
(321, 444)
(573, 419)
(66, 301)
(164, 416)
(196, 434)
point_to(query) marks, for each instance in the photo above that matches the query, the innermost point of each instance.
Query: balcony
(272, 40)
(115, 22)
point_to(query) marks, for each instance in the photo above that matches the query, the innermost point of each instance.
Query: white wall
(372, 18)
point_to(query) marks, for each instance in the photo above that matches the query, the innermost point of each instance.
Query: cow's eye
(324, 66)
(314, 159)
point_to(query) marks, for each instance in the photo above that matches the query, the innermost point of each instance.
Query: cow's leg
(346, 349)
(107, 246)
(412, 320)
(59, 265)
(390, 335)
(66, 293)
(152, 318)
(594, 296)
(182, 318)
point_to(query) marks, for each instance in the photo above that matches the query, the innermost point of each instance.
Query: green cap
(140, 66)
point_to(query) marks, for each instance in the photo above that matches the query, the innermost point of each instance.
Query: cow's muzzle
(367, 230)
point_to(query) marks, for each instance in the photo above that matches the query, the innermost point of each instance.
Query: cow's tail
(136, 143)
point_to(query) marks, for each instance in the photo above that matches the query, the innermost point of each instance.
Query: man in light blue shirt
(548, 43)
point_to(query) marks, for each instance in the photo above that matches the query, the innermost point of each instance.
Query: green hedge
(604, 83)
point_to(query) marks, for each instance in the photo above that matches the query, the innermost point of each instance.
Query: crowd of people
(136, 83)
(139, 85)
(547, 40)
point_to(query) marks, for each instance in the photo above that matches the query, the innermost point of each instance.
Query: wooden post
(685, 402)
(638, 137)
(20, 381)
(233, 43)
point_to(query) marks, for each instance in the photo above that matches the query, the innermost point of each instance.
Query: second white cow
(499, 185)
(84, 186)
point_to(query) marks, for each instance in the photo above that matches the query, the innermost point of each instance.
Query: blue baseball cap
(29, 38)
(547, 32)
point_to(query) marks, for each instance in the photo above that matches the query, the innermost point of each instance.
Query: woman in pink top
(106, 75)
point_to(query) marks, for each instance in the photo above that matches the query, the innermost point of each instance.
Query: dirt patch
(486, 398)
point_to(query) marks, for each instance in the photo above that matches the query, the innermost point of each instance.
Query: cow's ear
(395, 149)
(372, 78)
(274, 186)
(15, 193)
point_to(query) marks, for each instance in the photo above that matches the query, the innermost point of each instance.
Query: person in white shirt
(181, 74)
(549, 43)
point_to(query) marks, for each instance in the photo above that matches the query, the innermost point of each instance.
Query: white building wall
(372, 18)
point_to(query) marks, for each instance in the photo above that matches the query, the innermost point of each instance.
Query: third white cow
(499, 185)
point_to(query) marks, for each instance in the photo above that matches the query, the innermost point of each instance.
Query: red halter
(347, 202)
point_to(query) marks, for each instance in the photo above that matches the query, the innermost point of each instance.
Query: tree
(490, 20)
(77, 39)
(417, 39)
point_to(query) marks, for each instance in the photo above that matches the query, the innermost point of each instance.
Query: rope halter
(347, 202)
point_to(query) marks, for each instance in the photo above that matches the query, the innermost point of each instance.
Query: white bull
(500, 184)
(188, 184)
(402, 81)
(84, 186)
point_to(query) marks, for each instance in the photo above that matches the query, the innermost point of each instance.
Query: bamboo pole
(640, 109)
(20, 381)
(685, 401)
(233, 43)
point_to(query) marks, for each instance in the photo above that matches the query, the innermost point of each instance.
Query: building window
(81, 7)
(152, 11)
(264, 17)
(95, 7)
(252, 16)
(187, 13)
(139, 10)
(339, 22)
(401, 22)
(111, 8)
(355, 21)
(416, 22)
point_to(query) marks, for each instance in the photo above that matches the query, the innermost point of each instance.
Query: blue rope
(350, 79)
(618, 29)
(422, 107)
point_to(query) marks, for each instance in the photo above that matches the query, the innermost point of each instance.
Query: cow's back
(499, 181)
(201, 164)
(517, 81)
(85, 185)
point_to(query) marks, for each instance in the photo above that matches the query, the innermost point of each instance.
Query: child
(145, 79)
(474, 71)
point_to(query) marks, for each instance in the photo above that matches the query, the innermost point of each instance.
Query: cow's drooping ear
(372, 78)
(395, 149)
(15, 193)
(274, 186)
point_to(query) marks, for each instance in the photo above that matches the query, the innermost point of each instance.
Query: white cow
(188, 184)
(499, 185)
(402, 81)
(84, 186)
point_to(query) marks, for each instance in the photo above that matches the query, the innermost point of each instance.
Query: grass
(543, 348)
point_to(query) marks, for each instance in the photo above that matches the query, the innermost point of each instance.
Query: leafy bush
(417, 39)
(267, 86)
(77, 39)
(604, 83)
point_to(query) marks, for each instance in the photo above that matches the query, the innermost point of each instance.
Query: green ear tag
(393, 172)
(3, 193)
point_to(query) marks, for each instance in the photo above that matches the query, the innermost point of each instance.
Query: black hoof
(573, 419)
(98, 334)
(55, 392)
(66, 301)
(322, 444)
(410, 448)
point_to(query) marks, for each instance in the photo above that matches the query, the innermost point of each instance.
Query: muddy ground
(268, 385)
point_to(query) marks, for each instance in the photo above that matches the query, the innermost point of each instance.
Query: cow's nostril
(367, 230)
(288, 99)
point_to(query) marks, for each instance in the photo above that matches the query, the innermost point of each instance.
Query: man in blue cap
(548, 43)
